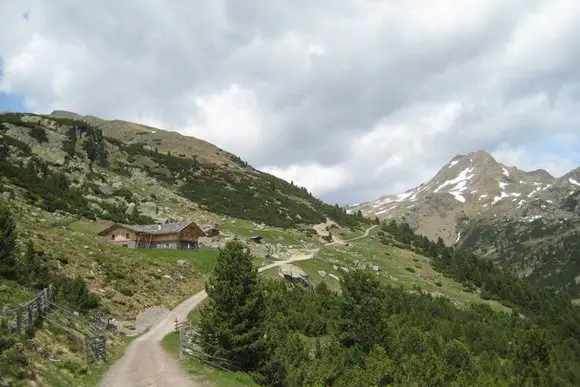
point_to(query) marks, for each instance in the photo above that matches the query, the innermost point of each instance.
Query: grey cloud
(381, 62)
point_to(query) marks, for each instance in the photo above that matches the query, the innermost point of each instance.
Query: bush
(75, 294)
(126, 292)
(39, 134)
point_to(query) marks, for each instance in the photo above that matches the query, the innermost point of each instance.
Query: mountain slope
(527, 222)
(470, 186)
(100, 158)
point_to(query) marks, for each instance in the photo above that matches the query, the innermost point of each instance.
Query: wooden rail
(90, 334)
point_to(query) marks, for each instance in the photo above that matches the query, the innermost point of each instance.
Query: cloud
(352, 98)
(319, 179)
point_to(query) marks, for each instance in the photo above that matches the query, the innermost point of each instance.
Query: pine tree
(231, 324)
(7, 242)
(533, 359)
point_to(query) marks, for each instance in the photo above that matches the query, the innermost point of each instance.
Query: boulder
(294, 274)
(106, 189)
(130, 209)
(322, 273)
(210, 230)
(182, 263)
(149, 209)
(6, 195)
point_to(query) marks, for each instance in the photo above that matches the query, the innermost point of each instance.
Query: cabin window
(113, 236)
(127, 236)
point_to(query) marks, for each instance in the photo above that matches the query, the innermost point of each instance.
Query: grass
(89, 227)
(246, 229)
(91, 374)
(313, 266)
(204, 371)
(202, 260)
(12, 294)
(399, 267)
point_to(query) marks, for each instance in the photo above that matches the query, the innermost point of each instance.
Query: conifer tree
(231, 324)
(7, 242)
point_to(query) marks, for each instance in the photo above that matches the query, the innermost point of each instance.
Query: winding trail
(145, 363)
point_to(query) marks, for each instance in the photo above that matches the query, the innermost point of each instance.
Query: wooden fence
(28, 313)
(90, 333)
(190, 346)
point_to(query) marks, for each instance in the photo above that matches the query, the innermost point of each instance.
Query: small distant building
(178, 235)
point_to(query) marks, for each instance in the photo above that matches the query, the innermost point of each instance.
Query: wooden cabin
(177, 235)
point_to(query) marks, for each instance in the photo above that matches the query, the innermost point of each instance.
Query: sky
(352, 99)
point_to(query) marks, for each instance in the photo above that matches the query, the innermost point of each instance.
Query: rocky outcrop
(210, 230)
(149, 209)
(294, 274)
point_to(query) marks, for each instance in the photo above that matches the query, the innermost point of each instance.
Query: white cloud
(352, 98)
(231, 119)
(557, 165)
(316, 178)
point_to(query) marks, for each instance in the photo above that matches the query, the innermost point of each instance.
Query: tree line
(372, 334)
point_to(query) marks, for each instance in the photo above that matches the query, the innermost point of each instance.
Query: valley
(526, 222)
(64, 178)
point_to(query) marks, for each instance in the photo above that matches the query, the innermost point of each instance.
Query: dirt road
(366, 234)
(145, 363)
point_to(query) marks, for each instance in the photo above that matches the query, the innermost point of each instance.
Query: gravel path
(149, 317)
(145, 363)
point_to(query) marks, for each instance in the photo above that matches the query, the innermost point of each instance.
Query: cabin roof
(154, 229)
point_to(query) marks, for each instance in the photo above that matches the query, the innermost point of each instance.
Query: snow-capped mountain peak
(467, 186)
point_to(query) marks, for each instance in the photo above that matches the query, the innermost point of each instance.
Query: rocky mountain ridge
(526, 222)
(473, 186)
(127, 172)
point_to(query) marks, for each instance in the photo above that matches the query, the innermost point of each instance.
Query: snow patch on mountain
(575, 182)
(503, 195)
(505, 172)
(463, 176)
(458, 189)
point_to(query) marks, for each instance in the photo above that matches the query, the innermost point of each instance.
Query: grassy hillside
(545, 251)
(65, 178)
(76, 165)
(372, 333)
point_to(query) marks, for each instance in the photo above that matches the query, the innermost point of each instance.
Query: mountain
(114, 169)
(65, 177)
(527, 222)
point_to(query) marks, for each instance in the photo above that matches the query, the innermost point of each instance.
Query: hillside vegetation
(68, 164)
(428, 315)
(64, 178)
(545, 251)
(374, 334)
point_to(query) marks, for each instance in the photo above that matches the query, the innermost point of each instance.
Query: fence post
(181, 342)
(44, 300)
(30, 318)
(86, 347)
(104, 347)
(51, 293)
(19, 321)
(39, 304)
